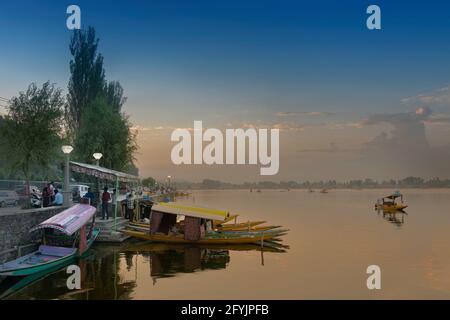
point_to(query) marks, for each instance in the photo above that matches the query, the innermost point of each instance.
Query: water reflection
(397, 218)
(105, 272)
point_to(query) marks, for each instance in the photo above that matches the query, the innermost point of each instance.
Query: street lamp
(66, 197)
(97, 157)
(168, 180)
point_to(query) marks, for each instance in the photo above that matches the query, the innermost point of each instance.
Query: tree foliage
(87, 76)
(30, 130)
(148, 182)
(106, 131)
(94, 111)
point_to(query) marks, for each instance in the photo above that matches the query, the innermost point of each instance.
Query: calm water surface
(333, 238)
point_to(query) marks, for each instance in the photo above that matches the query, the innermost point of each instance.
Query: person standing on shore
(51, 191)
(45, 198)
(130, 207)
(91, 196)
(106, 197)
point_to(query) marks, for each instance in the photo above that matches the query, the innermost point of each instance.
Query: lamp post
(97, 156)
(168, 181)
(66, 194)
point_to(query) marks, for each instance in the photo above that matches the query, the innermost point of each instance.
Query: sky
(350, 102)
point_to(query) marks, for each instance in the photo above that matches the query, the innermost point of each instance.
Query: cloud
(309, 113)
(405, 150)
(408, 130)
(438, 99)
(282, 126)
(333, 148)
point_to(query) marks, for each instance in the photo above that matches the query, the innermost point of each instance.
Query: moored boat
(197, 227)
(65, 237)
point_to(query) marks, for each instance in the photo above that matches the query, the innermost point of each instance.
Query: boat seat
(55, 251)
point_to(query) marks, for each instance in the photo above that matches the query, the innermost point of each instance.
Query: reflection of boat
(388, 203)
(197, 227)
(13, 285)
(395, 217)
(60, 233)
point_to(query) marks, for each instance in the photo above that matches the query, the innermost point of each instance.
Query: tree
(87, 76)
(106, 131)
(30, 130)
(114, 96)
(148, 182)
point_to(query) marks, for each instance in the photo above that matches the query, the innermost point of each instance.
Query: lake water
(333, 238)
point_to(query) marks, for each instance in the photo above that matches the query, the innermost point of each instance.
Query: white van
(8, 198)
(78, 191)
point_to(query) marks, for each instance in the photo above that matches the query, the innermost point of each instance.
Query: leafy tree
(87, 76)
(148, 182)
(108, 132)
(114, 96)
(30, 131)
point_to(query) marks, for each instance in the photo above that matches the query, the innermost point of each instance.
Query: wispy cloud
(333, 148)
(277, 125)
(436, 99)
(304, 113)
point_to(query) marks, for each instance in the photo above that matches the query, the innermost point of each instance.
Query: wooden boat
(389, 204)
(68, 226)
(224, 239)
(227, 219)
(242, 225)
(252, 226)
(196, 228)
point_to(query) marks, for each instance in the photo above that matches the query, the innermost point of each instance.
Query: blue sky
(240, 61)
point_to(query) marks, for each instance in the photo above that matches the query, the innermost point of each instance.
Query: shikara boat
(64, 237)
(389, 204)
(224, 239)
(196, 228)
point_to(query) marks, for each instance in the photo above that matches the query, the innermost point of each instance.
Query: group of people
(51, 196)
(106, 199)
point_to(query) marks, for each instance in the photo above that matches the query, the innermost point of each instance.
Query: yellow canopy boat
(224, 239)
(388, 203)
(197, 227)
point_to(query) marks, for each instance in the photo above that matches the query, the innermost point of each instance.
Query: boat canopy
(70, 220)
(394, 196)
(198, 212)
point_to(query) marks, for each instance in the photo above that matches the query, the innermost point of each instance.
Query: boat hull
(392, 208)
(227, 239)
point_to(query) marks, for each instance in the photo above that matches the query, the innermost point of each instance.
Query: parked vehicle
(78, 191)
(8, 198)
(22, 190)
(36, 200)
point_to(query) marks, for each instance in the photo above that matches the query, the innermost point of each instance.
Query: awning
(198, 212)
(102, 173)
(70, 220)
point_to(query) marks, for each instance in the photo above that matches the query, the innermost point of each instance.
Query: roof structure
(70, 220)
(101, 172)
